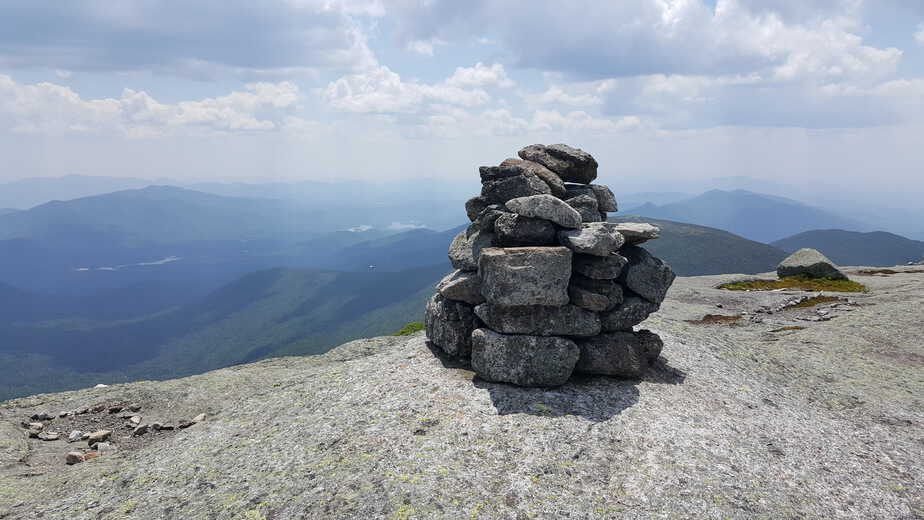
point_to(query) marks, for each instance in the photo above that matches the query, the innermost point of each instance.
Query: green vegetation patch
(887, 272)
(802, 283)
(816, 300)
(411, 328)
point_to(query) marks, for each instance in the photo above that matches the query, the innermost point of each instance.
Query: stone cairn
(544, 286)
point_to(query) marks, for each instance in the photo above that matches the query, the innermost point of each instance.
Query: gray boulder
(599, 267)
(474, 206)
(554, 181)
(502, 183)
(523, 360)
(536, 320)
(810, 263)
(587, 300)
(525, 275)
(638, 232)
(647, 276)
(606, 201)
(512, 230)
(571, 164)
(463, 286)
(632, 311)
(488, 216)
(586, 205)
(619, 354)
(449, 325)
(548, 208)
(466, 248)
(594, 238)
(609, 289)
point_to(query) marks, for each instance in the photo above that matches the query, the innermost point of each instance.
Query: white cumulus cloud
(50, 109)
(382, 90)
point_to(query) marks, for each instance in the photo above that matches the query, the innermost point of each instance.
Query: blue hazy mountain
(755, 216)
(26, 193)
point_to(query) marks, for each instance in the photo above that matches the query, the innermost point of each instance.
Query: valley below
(769, 409)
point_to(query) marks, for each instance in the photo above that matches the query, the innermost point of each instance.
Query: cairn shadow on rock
(595, 398)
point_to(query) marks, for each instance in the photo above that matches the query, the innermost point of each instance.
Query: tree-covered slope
(852, 248)
(693, 250)
(263, 314)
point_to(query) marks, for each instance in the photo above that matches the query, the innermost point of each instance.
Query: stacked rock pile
(544, 286)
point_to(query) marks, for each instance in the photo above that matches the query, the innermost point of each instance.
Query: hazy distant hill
(6, 211)
(26, 193)
(693, 250)
(852, 248)
(752, 215)
(262, 314)
(160, 234)
(157, 215)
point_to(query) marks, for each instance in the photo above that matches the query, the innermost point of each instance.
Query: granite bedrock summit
(544, 286)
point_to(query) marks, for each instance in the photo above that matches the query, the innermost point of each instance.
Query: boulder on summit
(811, 263)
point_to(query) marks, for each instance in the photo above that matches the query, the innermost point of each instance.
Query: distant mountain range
(163, 281)
(852, 248)
(759, 217)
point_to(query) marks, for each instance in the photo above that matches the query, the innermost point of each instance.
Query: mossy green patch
(803, 283)
(816, 300)
(411, 328)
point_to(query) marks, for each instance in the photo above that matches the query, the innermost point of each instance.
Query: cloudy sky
(805, 91)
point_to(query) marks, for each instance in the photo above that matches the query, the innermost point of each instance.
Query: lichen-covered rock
(466, 248)
(538, 320)
(525, 275)
(647, 276)
(571, 164)
(523, 360)
(811, 263)
(599, 267)
(502, 183)
(638, 232)
(586, 205)
(620, 354)
(449, 325)
(548, 208)
(463, 286)
(632, 311)
(512, 230)
(594, 238)
(611, 290)
(551, 178)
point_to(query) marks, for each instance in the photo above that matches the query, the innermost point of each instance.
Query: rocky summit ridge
(544, 286)
(776, 411)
